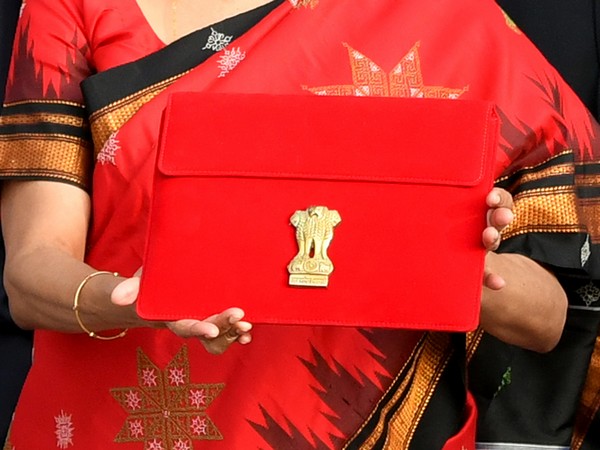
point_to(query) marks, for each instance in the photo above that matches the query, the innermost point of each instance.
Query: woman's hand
(499, 216)
(522, 303)
(216, 332)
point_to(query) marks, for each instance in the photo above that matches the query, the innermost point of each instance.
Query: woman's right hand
(216, 332)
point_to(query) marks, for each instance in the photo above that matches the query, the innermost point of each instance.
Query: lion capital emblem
(314, 232)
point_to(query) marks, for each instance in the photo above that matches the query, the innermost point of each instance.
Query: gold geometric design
(590, 209)
(42, 154)
(404, 80)
(552, 171)
(538, 171)
(473, 340)
(428, 361)
(109, 119)
(588, 180)
(35, 118)
(45, 155)
(166, 411)
(551, 210)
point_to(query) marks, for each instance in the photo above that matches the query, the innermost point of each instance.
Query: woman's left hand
(499, 216)
(216, 333)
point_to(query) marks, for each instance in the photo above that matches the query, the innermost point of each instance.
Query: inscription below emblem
(314, 232)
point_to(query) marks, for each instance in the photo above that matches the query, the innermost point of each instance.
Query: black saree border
(394, 423)
(111, 86)
(45, 140)
(559, 195)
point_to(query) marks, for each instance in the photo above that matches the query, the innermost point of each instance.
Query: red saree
(293, 387)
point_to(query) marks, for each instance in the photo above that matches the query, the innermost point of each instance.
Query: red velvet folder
(320, 210)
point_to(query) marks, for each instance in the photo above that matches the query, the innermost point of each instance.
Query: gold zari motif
(46, 156)
(551, 210)
(109, 119)
(166, 410)
(412, 395)
(404, 80)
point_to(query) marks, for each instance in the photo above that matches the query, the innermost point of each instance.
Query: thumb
(126, 292)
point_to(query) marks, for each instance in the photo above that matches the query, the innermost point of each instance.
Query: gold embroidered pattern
(109, 119)
(166, 411)
(590, 400)
(418, 384)
(45, 155)
(404, 80)
(473, 341)
(59, 119)
(545, 210)
(590, 208)
(46, 142)
(553, 171)
(430, 366)
(589, 180)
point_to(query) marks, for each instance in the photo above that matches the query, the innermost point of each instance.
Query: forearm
(41, 285)
(45, 228)
(530, 310)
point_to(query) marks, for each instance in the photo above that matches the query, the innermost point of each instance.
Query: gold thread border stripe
(407, 370)
(545, 210)
(547, 172)
(536, 167)
(430, 367)
(42, 101)
(589, 180)
(40, 118)
(427, 363)
(109, 119)
(54, 156)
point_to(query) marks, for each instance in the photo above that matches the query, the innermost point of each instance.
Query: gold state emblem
(314, 232)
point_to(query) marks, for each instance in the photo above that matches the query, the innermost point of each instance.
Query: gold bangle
(76, 308)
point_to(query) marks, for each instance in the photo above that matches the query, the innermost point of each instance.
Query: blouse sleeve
(43, 128)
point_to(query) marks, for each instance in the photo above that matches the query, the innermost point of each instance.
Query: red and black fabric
(293, 387)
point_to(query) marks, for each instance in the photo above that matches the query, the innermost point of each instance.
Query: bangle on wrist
(90, 333)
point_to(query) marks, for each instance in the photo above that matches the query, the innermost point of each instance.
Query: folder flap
(389, 140)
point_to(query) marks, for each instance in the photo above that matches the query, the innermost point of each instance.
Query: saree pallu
(304, 387)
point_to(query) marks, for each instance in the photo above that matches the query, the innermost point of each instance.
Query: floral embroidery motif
(166, 411)
(404, 80)
(149, 377)
(109, 150)
(136, 428)
(64, 430)
(229, 60)
(585, 252)
(217, 41)
(589, 294)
